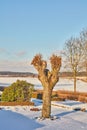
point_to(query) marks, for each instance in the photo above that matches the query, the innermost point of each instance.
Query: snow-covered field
(63, 84)
(21, 118)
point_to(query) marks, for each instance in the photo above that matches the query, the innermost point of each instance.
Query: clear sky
(28, 27)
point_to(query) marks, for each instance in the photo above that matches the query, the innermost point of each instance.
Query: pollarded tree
(48, 79)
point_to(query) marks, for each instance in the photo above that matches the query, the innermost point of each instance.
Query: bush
(82, 98)
(57, 99)
(34, 109)
(18, 91)
(34, 95)
(37, 94)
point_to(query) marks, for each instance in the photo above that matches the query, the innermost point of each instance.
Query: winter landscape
(64, 113)
(43, 65)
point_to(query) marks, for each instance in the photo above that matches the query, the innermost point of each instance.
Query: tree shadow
(14, 121)
(65, 113)
(70, 103)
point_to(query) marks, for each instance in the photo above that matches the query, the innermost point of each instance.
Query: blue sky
(28, 27)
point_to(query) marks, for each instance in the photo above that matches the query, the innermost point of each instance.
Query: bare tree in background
(73, 56)
(48, 79)
(83, 37)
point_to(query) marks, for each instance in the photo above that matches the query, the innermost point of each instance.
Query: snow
(22, 118)
(8, 80)
(13, 121)
(63, 84)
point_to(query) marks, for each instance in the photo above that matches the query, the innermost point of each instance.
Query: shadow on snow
(14, 121)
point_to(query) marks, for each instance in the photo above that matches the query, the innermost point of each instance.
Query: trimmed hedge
(79, 96)
(61, 95)
(16, 103)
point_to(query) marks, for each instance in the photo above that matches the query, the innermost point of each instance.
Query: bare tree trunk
(86, 71)
(74, 81)
(46, 110)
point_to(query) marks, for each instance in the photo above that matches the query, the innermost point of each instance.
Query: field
(63, 84)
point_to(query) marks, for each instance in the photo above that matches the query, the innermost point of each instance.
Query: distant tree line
(28, 74)
(17, 74)
(70, 74)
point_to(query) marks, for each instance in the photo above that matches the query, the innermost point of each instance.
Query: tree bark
(46, 109)
(86, 71)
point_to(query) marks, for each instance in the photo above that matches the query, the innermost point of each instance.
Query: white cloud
(16, 66)
(2, 50)
(21, 53)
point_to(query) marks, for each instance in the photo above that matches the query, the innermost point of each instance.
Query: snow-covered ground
(63, 84)
(21, 118)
